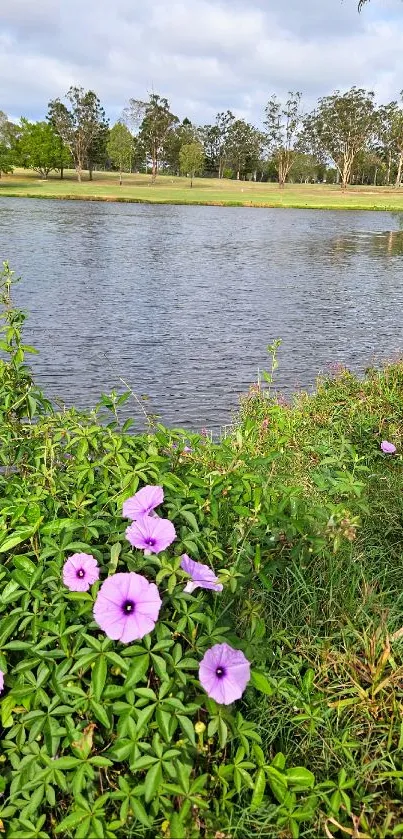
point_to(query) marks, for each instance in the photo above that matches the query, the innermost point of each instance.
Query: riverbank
(206, 191)
(298, 512)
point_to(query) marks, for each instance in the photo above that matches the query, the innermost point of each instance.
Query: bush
(105, 739)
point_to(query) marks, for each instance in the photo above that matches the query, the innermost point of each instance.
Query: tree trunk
(154, 172)
(78, 169)
(375, 176)
(237, 175)
(191, 181)
(61, 172)
(90, 169)
(399, 170)
(120, 178)
(389, 167)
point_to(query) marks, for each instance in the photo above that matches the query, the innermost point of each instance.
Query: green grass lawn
(173, 190)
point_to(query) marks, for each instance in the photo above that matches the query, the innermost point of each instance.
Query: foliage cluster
(346, 137)
(110, 740)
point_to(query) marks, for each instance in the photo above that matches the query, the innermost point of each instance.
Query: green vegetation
(299, 512)
(346, 139)
(174, 190)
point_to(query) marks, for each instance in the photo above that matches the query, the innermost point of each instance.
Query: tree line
(347, 138)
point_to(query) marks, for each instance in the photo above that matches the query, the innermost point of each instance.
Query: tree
(8, 134)
(305, 168)
(80, 125)
(282, 126)
(391, 136)
(120, 148)
(153, 121)
(97, 154)
(244, 146)
(191, 159)
(341, 127)
(210, 137)
(180, 135)
(38, 147)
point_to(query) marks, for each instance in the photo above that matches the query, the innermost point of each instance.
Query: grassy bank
(173, 190)
(300, 514)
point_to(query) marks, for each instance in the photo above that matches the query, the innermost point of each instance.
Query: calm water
(182, 301)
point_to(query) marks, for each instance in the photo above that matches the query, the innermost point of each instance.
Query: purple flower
(80, 571)
(224, 673)
(127, 607)
(388, 448)
(151, 534)
(186, 450)
(143, 502)
(202, 576)
(1, 681)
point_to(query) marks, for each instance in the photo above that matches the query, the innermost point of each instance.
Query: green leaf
(66, 762)
(222, 732)
(115, 553)
(191, 519)
(98, 677)
(300, 777)
(100, 713)
(16, 538)
(72, 820)
(176, 827)
(137, 670)
(139, 812)
(7, 705)
(98, 760)
(258, 790)
(164, 724)
(261, 683)
(277, 783)
(187, 728)
(152, 782)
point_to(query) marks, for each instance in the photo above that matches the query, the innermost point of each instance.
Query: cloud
(204, 55)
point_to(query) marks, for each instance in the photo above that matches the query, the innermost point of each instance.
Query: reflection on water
(182, 301)
(389, 242)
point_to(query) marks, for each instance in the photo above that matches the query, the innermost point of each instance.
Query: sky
(203, 55)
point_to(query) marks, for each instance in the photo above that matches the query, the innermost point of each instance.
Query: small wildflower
(151, 534)
(388, 448)
(202, 576)
(127, 607)
(224, 673)
(80, 571)
(143, 503)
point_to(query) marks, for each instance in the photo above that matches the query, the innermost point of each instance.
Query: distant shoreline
(209, 192)
(182, 203)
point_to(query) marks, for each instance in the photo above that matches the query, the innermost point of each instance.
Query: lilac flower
(1, 681)
(202, 576)
(224, 673)
(151, 534)
(186, 450)
(127, 607)
(143, 502)
(80, 571)
(388, 448)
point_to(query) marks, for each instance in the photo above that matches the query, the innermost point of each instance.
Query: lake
(181, 302)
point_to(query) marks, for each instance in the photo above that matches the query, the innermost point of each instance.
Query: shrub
(105, 739)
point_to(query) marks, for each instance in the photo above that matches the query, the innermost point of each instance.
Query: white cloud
(204, 55)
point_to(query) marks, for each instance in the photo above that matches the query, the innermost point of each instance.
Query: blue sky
(203, 55)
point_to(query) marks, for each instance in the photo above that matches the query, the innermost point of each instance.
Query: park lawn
(175, 190)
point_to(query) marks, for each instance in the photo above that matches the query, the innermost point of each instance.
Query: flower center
(128, 607)
(220, 672)
(150, 542)
(81, 573)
